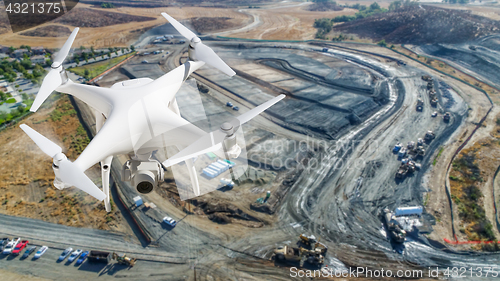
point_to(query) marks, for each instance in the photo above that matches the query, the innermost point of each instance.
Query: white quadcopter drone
(138, 116)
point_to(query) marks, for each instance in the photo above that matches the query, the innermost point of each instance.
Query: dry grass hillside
(26, 174)
(421, 25)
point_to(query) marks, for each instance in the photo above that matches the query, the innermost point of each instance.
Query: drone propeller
(200, 51)
(53, 78)
(69, 173)
(213, 140)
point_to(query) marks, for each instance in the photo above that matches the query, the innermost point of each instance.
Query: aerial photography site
(249, 140)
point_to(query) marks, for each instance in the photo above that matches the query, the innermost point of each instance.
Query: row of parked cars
(16, 246)
(78, 254)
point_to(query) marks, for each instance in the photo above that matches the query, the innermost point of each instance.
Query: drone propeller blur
(136, 116)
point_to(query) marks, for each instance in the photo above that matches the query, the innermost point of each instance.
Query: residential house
(38, 50)
(19, 53)
(38, 59)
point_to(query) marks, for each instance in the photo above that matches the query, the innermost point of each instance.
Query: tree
(11, 49)
(77, 61)
(382, 43)
(375, 6)
(86, 73)
(82, 48)
(395, 5)
(132, 48)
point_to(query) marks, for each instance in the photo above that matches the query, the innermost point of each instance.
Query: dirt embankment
(324, 6)
(206, 24)
(421, 25)
(26, 174)
(49, 31)
(85, 17)
(471, 183)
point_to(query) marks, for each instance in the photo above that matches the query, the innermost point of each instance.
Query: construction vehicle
(123, 259)
(429, 136)
(430, 85)
(310, 243)
(309, 250)
(446, 117)
(300, 255)
(420, 105)
(411, 145)
(426, 78)
(402, 152)
(420, 142)
(395, 231)
(419, 150)
(434, 102)
(397, 147)
(402, 171)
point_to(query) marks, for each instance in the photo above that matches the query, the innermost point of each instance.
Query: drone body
(138, 116)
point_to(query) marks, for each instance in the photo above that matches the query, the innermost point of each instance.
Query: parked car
(65, 253)
(41, 251)
(236, 108)
(11, 245)
(75, 255)
(170, 221)
(434, 114)
(3, 243)
(229, 104)
(28, 251)
(144, 61)
(19, 247)
(82, 258)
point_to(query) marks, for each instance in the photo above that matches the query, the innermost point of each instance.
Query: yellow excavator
(123, 259)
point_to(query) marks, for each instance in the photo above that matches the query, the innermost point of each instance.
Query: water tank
(409, 211)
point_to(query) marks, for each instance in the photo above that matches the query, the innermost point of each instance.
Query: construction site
(361, 165)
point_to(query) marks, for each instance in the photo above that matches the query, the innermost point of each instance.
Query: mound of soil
(85, 17)
(324, 6)
(49, 31)
(421, 25)
(206, 24)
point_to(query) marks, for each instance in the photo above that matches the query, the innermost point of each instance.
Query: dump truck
(426, 78)
(420, 105)
(420, 150)
(308, 249)
(310, 243)
(123, 259)
(396, 233)
(429, 136)
(402, 171)
(446, 117)
(434, 102)
(99, 256)
(300, 255)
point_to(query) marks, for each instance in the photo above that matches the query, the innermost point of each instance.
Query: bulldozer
(123, 259)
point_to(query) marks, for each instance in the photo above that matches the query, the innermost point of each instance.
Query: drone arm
(105, 170)
(97, 97)
(173, 80)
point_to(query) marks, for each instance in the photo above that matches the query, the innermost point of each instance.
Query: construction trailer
(409, 211)
(99, 257)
